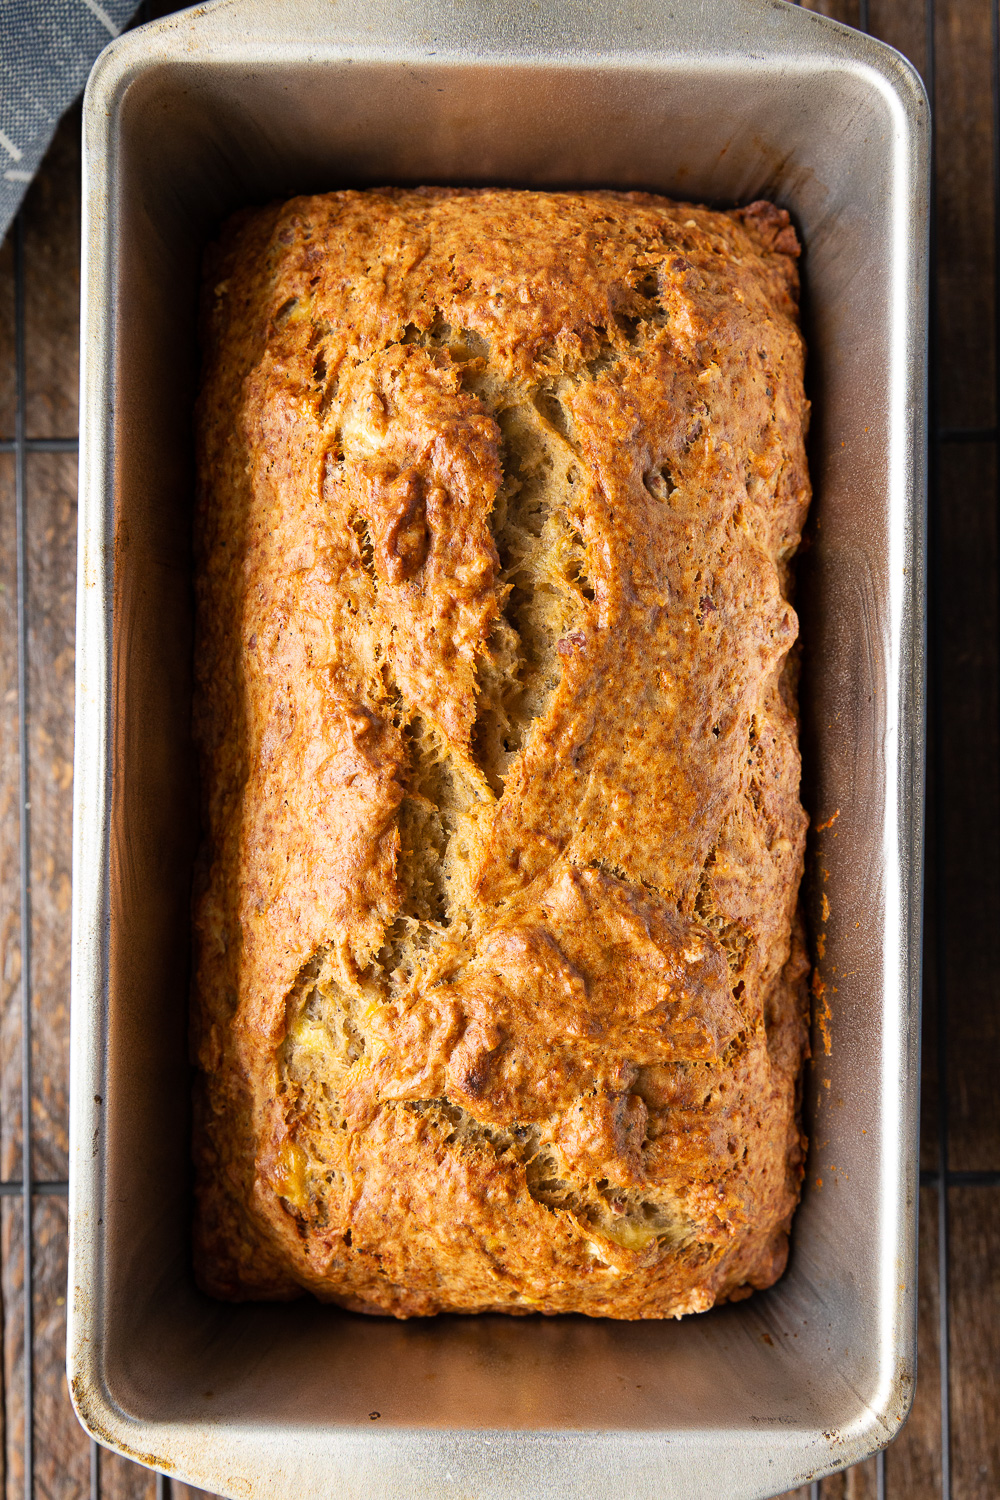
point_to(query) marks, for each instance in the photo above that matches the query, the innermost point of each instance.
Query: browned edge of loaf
(500, 992)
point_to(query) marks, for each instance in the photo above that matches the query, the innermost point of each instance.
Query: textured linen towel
(47, 49)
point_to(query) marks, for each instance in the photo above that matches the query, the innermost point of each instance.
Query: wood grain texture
(10, 841)
(963, 102)
(52, 287)
(913, 1461)
(51, 508)
(974, 1287)
(12, 1280)
(62, 1448)
(122, 1480)
(930, 1073)
(848, 11)
(856, 1483)
(964, 888)
(903, 24)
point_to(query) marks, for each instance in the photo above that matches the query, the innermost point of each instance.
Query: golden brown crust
(500, 997)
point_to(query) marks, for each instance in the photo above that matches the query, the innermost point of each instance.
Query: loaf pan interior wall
(195, 140)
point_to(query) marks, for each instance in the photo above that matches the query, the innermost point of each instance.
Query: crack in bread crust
(500, 1001)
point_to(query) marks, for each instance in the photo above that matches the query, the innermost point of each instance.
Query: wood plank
(10, 844)
(12, 1273)
(51, 502)
(965, 367)
(62, 1448)
(52, 286)
(856, 1483)
(930, 1073)
(848, 11)
(913, 1461)
(964, 622)
(974, 1284)
(903, 24)
(123, 1480)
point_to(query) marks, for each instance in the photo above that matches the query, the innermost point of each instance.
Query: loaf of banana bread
(500, 992)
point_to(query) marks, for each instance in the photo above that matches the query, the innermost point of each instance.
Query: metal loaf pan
(239, 102)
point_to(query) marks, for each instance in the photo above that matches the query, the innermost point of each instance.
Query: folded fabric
(47, 49)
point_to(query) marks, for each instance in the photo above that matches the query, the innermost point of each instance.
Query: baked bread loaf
(501, 987)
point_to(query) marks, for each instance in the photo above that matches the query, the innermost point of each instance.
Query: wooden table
(951, 1446)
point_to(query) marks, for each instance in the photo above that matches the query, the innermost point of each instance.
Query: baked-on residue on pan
(500, 992)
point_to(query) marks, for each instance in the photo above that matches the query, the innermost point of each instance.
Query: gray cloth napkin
(47, 49)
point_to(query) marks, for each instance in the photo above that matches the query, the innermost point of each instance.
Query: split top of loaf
(500, 987)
